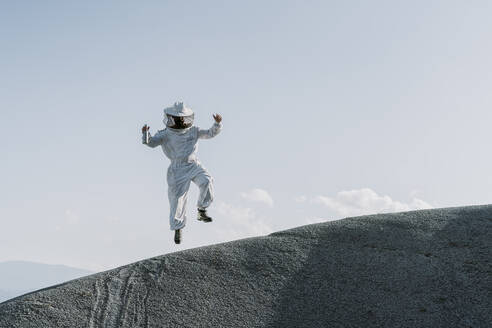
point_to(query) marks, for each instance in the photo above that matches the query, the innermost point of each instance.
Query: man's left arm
(213, 131)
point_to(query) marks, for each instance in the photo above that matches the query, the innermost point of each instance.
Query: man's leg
(204, 181)
(178, 196)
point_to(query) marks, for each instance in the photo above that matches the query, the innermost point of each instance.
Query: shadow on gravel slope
(415, 269)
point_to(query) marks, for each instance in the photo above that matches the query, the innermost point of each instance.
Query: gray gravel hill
(429, 268)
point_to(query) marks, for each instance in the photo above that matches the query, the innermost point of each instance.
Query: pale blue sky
(318, 97)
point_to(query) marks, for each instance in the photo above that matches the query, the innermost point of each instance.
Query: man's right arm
(153, 141)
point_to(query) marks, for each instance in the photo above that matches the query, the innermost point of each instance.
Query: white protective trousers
(180, 147)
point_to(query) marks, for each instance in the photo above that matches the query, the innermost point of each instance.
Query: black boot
(202, 216)
(177, 236)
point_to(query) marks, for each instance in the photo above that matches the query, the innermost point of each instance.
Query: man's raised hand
(145, 128)
(217, 118)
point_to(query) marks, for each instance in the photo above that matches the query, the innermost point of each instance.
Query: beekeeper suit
(179, 143)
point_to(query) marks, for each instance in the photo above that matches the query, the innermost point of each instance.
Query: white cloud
(366, 201)
(240, 222)
(418, 204)
(71, 217)
(301, 199)
(316, 220)
(258, 195)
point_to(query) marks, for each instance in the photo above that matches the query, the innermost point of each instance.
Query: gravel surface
(429, 268)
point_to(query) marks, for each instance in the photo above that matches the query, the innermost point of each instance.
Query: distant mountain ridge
(428, 268)
(8, 294)
(20, 277)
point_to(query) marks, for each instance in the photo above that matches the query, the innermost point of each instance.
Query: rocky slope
(430, 268)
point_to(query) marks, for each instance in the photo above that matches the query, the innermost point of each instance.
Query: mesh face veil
(168, 120)
(179, 122)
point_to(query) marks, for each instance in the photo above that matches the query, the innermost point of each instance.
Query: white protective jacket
(180, 146)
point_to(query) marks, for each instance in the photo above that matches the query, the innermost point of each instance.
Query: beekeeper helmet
(178, 110)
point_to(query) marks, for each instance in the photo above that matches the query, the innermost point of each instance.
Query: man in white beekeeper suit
(179, 143)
